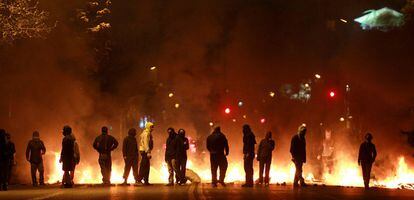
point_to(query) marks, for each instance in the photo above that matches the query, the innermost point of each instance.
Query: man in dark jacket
(264, 156)
(34, 153)
(67, 157)
(5, 160)
(12, 150)
(218, 147)
(104, 144)
(367, 155)
(298, 152)
(170, 155)
(249, 141)
(181, 156)
(130, 154)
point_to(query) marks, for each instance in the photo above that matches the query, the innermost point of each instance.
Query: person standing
(181, 156)
(130, 154)
(12, 151)
(218, 147)
(170, 156)
(34, 154)
(145, 147)
(67, 157)
(264, 156)
(367, 155)
(249, 141)
(5, 160)
(298, 152)
(104, 144)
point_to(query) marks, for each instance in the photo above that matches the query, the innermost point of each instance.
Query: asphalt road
(201, 191)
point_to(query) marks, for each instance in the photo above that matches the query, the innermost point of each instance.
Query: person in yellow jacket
(145, 147)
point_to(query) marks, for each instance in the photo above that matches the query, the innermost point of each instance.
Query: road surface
(201, 191)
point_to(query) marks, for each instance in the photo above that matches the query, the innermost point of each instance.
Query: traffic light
(332, 94)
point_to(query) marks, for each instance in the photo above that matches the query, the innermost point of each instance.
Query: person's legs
(127, 168)
(41, 170)
(214, 166)
(108, 169)
(101, 162)
(170, 172)
(33, 171)
(176, 167)
(135, 168)
(223, 164)
(298, 174)
(183, 165)
(267, 171)
(261, 169)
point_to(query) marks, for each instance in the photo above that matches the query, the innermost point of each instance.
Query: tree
(21, 19)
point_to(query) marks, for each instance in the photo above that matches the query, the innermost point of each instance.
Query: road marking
(47, 196)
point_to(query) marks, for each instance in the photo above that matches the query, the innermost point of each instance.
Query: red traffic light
(332, 94)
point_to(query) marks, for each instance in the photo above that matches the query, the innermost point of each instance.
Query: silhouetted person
(181, 156)
(5, 159)
(67, 157)
(298, 152)
(34, 154)
(249, 141)
(170, 156)
(264, 156)
(146, 145)
(104, 144)
(12, 150)
(130, 154)
(218, 147)
(367, 155)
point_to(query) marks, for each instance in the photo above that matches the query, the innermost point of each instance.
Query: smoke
(210, 54)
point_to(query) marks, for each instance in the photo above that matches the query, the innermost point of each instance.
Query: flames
(346, 173)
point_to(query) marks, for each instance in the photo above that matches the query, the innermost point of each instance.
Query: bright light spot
(272, 94)
(170, 94)
(349, 117)
(234, 120)
(211, 124)
(244, 116)
(240, 103)
(263, 120)
(227, 110)
(344, 21)
(153, 68)
(332, 94)
(318, 76)
(177, 105)
(307, 85)
(341, 119)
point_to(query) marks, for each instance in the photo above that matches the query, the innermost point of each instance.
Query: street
(201, 191)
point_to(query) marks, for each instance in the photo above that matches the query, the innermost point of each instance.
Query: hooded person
(67, 157)
(181, 156)
(298, 152)
(264, 156)
(34, 154)
(218, 147)
(104, 144)
(249, 141)
(130, 154)
(145, 147)
(366, 156)
(170, 155)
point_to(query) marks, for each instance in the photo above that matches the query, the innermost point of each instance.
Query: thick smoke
(210, 54)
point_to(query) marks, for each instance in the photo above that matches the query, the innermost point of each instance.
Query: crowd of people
(176, 145)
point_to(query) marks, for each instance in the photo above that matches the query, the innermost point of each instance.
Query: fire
(346, 173)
